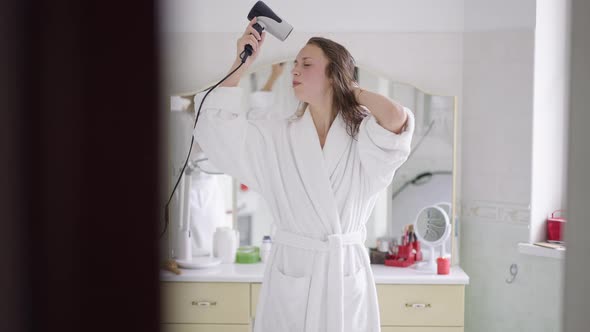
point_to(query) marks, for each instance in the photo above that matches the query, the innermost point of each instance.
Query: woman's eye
(306, 65)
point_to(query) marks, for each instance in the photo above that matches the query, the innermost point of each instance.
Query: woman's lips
(296, 83)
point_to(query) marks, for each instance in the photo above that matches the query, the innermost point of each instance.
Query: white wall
(198, 49)
(549, 118)
(431, 61)
(577, 268)
(310, 15)
(498, 73)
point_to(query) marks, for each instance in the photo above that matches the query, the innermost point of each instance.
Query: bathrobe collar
(316, 166)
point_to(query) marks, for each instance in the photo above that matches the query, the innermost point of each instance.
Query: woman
(320, 172)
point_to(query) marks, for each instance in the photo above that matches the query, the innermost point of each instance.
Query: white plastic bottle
(265, 248)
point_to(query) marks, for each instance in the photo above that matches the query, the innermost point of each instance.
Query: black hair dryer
(267, 19)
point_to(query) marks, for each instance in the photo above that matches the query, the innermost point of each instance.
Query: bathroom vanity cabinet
(224, 299)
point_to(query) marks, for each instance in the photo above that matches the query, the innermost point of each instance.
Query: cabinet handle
(204, 303)
(418, 305)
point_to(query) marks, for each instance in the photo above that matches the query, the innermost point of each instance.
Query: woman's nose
(294, 72)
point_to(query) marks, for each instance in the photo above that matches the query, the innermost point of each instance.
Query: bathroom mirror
(426, 178)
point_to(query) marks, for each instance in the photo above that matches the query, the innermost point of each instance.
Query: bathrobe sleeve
(261, 103)
(382, 152)
(233, 137)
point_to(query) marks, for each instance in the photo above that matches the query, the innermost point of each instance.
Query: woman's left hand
(277, 69)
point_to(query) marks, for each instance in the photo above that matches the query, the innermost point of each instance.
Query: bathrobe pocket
(355, 301)
(286, 306)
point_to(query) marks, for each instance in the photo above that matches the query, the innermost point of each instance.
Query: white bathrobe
(318, 276)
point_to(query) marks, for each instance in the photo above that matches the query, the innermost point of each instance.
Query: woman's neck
(323, 115)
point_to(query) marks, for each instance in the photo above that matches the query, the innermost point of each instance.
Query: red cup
(404, 251)
(443, 265)
(555, 227)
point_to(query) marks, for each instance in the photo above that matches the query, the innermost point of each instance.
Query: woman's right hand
(250, 37)
(253, 38)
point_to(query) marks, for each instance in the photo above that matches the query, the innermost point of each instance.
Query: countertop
(253, 273)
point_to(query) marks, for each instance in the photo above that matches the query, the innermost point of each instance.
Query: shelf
(534, 250)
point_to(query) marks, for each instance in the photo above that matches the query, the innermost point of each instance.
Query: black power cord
(243, 56)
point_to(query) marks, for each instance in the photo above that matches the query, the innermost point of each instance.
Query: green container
(248, 255)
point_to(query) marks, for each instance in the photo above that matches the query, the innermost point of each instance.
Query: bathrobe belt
(334, 246)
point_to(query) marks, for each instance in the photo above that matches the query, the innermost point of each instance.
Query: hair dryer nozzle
(270, 21)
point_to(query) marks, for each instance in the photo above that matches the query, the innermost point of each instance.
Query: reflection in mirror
(210, 192)
(426, 178)
(203, 165)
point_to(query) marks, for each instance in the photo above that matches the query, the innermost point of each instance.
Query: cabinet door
(204, 328)
(420, 329)
(205, 302)
(254, 292)
(421, 305)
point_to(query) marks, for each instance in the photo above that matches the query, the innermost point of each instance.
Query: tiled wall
(496, 176)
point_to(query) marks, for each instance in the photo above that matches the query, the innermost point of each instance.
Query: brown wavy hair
(341, 70)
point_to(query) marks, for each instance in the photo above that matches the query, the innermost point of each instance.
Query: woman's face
(310, 83)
